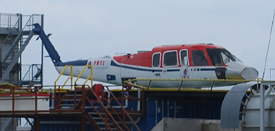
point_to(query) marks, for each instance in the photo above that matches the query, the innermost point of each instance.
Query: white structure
(24, 102)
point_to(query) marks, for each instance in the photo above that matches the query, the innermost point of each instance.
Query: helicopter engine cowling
(238, 70)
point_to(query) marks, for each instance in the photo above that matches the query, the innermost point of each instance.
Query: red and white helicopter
(196, 61)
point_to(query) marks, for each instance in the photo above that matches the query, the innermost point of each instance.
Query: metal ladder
(15, 58)
(10, 58)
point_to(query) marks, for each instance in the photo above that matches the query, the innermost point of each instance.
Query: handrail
(29, 72)
(226, 80)
(61, 73)
(16, 39)
(88, 78)
(9, 84)
(25, 74)
(103, 107)
(115, 112)
(8, 23)
(67, 81)
(131, 81)
(60, 100)
(126, 113)
(102, 118)
(10, 31)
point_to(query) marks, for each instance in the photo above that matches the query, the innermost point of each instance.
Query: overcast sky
(85, 29)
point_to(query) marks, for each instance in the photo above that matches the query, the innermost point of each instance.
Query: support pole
(37, 123)
(262, 108)
(82, 124)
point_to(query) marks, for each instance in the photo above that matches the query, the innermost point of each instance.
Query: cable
(268, 43)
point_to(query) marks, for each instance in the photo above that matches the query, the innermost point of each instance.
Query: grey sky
(85, 29)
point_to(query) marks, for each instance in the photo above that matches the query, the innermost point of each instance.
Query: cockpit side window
(219, 57)
(184, 57)
(156, 60)
(199, 58)
(170, 58)
(216, 57)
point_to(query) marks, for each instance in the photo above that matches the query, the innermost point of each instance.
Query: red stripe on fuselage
(145, 59)
(140, 59)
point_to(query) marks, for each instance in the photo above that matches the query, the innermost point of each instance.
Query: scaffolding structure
(81, 103)
(15, 34)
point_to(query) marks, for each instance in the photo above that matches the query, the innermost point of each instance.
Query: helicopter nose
(249, 73)
(238, 70)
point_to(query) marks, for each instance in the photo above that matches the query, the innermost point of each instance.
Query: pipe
(156, 119)
(139, 96)
(52, 99)
(175, 109)
(162, 109)
(262, 128)
(168, 108)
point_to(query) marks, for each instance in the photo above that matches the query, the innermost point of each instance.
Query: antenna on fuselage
(124, 53)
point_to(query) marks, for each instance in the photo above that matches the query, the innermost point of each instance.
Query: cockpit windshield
(219, 57)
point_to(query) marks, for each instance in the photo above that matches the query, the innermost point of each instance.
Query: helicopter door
(184, 73)
(156, 73)
(184, 64)
(168, 70)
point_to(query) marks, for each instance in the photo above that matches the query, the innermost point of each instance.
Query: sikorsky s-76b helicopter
(194, 61)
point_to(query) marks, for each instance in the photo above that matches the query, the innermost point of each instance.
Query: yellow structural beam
(130, 82)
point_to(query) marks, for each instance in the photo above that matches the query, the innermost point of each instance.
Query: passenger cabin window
(184, 58)
(170, 58)
(199, 58)
(156, 60)
(219, 57)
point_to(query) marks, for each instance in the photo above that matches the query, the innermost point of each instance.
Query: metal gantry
(15, 34)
